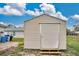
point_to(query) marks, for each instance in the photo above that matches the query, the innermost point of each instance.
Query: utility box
(45, 32)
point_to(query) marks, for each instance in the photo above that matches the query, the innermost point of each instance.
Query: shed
(45, 32)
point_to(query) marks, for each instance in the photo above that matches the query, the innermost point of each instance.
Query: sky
(17, 13)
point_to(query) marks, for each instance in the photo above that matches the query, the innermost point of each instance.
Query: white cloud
(36, 12)
(23, 5)
(15, 12)
(2, 23)
(13, 9)
(30, 12)
(48, 8)
(45, 8)
(76, 17)
(1, 10)
(19, 9)
(59, 15)
(19, 6)
(19, 26)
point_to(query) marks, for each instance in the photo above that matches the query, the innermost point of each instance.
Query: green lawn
(18, 40)
(72, 47)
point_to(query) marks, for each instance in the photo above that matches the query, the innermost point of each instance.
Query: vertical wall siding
(62, 44)
(32, 32)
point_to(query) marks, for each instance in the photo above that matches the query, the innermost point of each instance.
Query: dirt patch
(4, 46)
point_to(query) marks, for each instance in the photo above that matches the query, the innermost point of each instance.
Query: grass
(19, 40)
(72, 47)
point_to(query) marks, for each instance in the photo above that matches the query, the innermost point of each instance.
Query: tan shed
(45, 32)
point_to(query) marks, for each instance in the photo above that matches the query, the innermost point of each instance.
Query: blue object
(0, 39)
(7, 38)
(3, 39)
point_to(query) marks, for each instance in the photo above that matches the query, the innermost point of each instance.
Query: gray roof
(3, 26)
(14, 29)
(46, 15)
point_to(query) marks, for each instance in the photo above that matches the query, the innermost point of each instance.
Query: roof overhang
(46, 15)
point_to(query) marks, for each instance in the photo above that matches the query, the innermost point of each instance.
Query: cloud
(19, 26)
(2, 23)
(1, 11)
(76, 17)
(36, 12)
(22, 5)
(48, 8)
(59, 15)
(20, 8)
(13, 9)
(15, 12)
(51, 10)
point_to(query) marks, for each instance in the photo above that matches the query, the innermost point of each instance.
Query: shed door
(49, 35)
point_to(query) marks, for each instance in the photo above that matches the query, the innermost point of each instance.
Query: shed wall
(32, 32)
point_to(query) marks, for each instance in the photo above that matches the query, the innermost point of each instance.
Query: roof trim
(46, 15)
